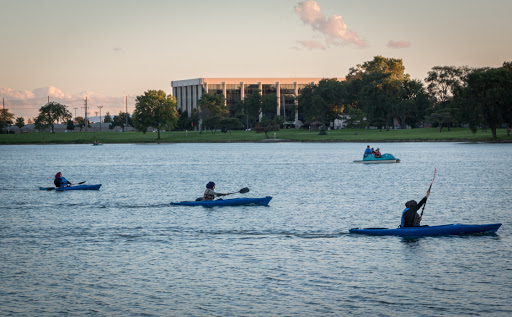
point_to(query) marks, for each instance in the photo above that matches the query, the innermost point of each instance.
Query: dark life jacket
(207, 195)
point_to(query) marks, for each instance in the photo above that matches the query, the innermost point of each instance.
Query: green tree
(322, 102)
(6, 119)
(80, 122)
(155, 109)
(212, 110)
(230, 124)
(70, 125)
(269, 106)
(51, 113)
(20, 122)
(107, 118)
(266, 125)
(357, 118)
(488, 97)
(251, 107)
(380, 83)
(121, 119)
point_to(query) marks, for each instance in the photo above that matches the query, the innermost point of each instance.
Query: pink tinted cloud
(312, 45)
(399, 44)
(333, 28)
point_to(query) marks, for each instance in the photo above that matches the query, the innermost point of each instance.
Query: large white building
(189, 91)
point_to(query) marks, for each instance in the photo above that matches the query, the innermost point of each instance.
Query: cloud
(399, 44)
(26, 103)
(312, 45)
(118, 50)
(333, 28)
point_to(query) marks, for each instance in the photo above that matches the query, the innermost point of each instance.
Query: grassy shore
(345, 135)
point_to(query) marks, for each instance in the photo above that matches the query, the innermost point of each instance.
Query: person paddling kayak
(410, 217)
(210, 193)
(61, 181)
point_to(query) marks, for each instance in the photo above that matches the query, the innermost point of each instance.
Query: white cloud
(399, 44)
(333, 28)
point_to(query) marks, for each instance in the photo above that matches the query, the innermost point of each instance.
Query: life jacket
(409, 219)
(61, 182)
(207, 195)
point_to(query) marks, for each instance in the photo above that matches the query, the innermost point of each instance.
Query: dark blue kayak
(226, 202)
(77, 187)
(451, 229)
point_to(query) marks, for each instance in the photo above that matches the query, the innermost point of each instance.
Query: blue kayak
(451, 229)
(385, 158)
(226, 202)
(77, 187)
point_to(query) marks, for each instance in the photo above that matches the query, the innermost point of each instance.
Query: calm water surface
(124, 251)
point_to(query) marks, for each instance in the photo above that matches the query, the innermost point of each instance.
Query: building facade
(189, 91)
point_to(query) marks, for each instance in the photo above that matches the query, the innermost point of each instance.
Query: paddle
(241, 191)
(435, 170)
(52, 188)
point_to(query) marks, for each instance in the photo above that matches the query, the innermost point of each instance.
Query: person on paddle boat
(210, 193)
(410, 217)
(367, 152)
(61, 181)
(377, 153)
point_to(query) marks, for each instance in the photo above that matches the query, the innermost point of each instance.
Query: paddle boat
(385, 158)
(77, 187)
(422, 231)
(226, 202)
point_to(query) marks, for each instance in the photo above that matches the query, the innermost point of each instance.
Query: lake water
(124, 251)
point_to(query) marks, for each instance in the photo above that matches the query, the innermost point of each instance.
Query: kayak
(77, 187)
(385, 158)
(226, 202)
(451, 229)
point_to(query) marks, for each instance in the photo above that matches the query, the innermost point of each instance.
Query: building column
(179, 95)
(278, 92)
(189, 99)
(242, 91)
(194, 97)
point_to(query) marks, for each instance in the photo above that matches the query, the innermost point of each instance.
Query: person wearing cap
(61, 181)
(410, 217)
(210, 193)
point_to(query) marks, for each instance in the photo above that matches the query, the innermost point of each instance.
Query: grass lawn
(345, 135)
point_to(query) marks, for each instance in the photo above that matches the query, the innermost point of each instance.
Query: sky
(67, 50)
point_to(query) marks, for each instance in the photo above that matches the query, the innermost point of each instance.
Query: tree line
(377, 93)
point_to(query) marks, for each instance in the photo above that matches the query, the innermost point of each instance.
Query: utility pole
(126, 103)
(100, 115)
(85, 113)
(75, 112)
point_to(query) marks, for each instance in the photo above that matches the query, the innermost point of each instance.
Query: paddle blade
(244, 190)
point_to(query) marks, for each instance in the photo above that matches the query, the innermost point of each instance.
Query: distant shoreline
(281, 136)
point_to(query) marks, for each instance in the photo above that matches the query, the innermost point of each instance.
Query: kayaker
(61, 181)
(368, 151)
(410, 217)
(210, 193)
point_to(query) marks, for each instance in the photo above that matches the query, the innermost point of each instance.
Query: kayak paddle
(52, 188)
(241, 191)
(435, 170)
